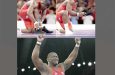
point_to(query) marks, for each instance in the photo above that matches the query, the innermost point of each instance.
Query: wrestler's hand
(36, 25)
(77, 41)
(82, 14)
(40, 38)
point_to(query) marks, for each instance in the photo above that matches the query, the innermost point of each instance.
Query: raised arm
(35, 55)
(73, 55)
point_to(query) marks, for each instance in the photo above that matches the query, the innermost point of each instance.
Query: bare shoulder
(46, 71)
(61, 65)
(47, 68)
(44, 68)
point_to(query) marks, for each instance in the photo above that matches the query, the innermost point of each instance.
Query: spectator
(51, 17)
(94, 13)
(80, 20)
(81, 6)
(88, 18)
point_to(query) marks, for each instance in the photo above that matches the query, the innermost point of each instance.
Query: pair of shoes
(44, 29)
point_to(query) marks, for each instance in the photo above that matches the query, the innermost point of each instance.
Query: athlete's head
(52, 58)
(52, 10)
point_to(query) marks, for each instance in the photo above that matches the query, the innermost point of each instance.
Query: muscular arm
(71, 12)
(71, 58)
(36, 59)
(36, 13)
(30, 11)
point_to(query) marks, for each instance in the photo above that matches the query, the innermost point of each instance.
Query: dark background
(63, 47)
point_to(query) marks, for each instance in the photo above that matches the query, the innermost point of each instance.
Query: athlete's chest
(57, 71)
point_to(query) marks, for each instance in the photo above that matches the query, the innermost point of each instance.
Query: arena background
(61, 46)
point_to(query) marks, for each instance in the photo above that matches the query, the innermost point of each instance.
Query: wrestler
(27, 13)
(53, 67)
(64, 10)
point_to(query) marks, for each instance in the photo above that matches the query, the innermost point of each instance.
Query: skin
(52, 58)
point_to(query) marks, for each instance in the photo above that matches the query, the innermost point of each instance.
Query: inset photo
(55, 56)
(56, 18)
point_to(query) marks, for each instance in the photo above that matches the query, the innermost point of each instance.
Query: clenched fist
(77, 41)
(40, 38)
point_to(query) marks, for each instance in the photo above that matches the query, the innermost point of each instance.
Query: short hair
(52, 8)
(49, 54)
